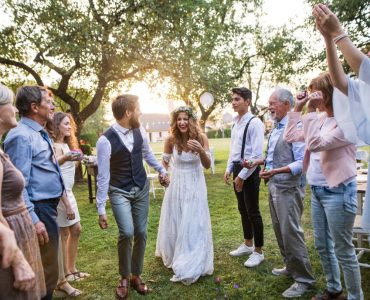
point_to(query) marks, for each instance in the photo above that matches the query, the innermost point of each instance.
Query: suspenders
(244, 138)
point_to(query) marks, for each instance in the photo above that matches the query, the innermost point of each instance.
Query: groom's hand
(103, 221)
(164, 180)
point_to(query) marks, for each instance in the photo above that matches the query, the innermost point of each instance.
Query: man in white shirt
(247, 137)
(121, 150)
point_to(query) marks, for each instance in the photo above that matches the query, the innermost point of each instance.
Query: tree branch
(23, 66)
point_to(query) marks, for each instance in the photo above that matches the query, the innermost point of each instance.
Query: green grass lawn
(98, 251)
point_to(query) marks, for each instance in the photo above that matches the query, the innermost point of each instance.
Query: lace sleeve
(166, 157)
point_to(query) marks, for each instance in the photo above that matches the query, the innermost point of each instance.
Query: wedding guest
(247, 137)
(22, 274)
(331, 173)
(184, 240)
(30, 149)
(121, 150)
(286, 186)
(68, 218)
(351, 97)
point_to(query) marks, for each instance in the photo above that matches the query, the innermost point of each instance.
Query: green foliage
(90, 138)
(86, 148)
(92, 46)
(217, 133)
(355, 16)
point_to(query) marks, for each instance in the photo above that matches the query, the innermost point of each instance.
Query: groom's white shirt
(104, 150)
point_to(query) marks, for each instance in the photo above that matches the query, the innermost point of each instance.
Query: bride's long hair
(194, 129)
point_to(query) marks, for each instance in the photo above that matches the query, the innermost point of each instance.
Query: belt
(15, 211)
(50, 200)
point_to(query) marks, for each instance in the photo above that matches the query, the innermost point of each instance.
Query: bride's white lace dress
(185, 235)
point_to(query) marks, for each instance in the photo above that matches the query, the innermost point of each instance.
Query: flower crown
(186, 109)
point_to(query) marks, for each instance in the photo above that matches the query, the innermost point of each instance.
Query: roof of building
(155, 122)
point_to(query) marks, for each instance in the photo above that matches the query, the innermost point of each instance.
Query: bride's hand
(23, 273)
(195, 146)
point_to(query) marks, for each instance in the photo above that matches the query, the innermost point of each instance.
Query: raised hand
(195, 146)
(300, 101)
(327, 22)
(315, 100)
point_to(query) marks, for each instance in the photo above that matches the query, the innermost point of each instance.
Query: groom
(121, 150)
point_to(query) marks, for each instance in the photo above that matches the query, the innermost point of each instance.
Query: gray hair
(283, 95)
(6, 95)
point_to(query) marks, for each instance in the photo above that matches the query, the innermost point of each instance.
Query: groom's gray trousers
(130, 209)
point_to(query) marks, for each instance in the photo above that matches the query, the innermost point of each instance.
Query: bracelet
(339, 37)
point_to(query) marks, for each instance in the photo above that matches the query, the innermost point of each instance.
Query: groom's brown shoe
(122, 289)
(138, 285)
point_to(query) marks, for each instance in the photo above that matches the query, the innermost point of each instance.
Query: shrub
(217, 133)
(91, 138)
(86, 149)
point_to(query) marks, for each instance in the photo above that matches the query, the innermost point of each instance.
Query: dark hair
(123, 103)
(26, 95)
(243, 92)
(70, 140)
(324, 84)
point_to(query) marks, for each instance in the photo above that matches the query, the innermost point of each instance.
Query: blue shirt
(33, 156)
(298, 149)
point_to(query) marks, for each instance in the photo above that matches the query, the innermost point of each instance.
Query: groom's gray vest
(126, 168)
(283, 156)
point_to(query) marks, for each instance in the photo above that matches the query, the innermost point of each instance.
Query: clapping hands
(314, 100)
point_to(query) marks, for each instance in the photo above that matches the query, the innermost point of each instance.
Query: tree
(355, 16)
(224, 52)
(89, 45)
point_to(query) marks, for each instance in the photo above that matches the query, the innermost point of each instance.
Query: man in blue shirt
(30, 150)
(283, 169)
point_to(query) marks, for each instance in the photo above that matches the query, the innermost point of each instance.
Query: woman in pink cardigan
(331, 171)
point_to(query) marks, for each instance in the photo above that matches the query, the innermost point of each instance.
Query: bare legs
(70, 237)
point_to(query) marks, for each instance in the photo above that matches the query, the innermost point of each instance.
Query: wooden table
(92, 171)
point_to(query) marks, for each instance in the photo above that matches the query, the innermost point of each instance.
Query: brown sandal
(139, 286)
(122, 289)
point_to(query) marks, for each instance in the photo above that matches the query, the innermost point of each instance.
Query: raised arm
(329, 25)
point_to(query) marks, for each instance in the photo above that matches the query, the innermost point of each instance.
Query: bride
(185, 236)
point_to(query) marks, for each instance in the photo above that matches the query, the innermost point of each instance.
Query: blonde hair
(6, 95)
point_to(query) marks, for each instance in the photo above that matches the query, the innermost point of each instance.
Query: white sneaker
(242, 250)
(254, 260)
(281, 272)
(297, 289)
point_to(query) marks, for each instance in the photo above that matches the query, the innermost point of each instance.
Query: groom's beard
(134, 123)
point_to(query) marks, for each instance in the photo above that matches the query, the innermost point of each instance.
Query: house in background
(156, 125)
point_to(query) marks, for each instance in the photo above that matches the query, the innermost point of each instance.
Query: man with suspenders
(247, 137)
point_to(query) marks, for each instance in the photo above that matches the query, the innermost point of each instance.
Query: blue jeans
(333, 213)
